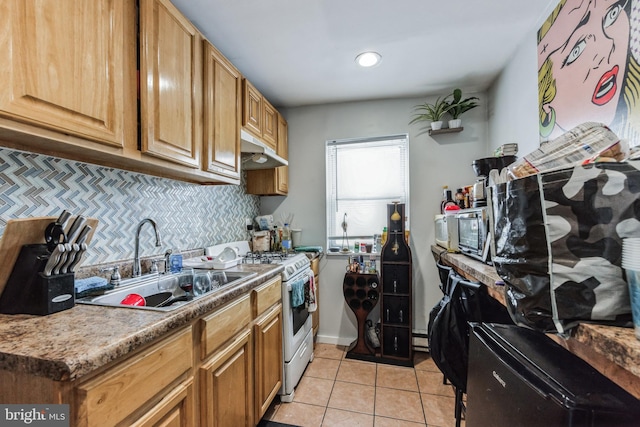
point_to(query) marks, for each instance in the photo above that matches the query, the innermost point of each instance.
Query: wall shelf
(446, 130)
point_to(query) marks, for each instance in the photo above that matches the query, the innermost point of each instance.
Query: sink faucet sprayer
(136, 257)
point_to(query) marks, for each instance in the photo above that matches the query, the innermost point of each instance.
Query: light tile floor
(335, 391)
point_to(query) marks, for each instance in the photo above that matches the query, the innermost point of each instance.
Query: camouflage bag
(557, 244)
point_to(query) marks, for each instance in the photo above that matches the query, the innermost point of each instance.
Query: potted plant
(432, 113)
(458, 106)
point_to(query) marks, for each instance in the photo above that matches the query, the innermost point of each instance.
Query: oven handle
(307, 277)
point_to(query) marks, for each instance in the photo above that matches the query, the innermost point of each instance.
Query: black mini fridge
(519, 377)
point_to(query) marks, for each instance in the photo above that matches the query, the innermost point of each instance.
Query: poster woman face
(587, 45)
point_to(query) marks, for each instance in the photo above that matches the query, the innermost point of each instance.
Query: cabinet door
(268, 357)
(64, 66)
(283, 138)
(174, 410)
(252, 109)
(227, 385)
(269, 125)
(170, 84)
(222, 114)
(268, 182)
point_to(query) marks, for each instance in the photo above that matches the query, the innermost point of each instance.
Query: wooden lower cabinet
(227, 383)
(121, 394)
(174, 410)
(268, 366)
(224, 369)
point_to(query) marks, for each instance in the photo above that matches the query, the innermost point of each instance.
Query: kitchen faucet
(136, 257)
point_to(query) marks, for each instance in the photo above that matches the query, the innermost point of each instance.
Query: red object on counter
(134, 299)
(451, 209)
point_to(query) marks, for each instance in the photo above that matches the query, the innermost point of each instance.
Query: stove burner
(265, 257)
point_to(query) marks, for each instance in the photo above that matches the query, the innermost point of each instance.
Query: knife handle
(75, 228)
(54, 259)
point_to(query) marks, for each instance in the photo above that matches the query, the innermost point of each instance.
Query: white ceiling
(301, 52)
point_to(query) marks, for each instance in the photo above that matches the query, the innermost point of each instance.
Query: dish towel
(91, 286)
(297, 293)
(311, 295)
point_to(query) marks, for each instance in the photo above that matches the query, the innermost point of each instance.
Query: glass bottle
(447, 200)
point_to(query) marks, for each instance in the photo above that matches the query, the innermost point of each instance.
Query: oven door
(296, 320)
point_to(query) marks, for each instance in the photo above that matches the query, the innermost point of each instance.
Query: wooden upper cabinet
(269, 124)
(252, 109)
(283, 138)
(272, 182)
(259, 117)
(222, 114)
(170, 84)
(64, 67)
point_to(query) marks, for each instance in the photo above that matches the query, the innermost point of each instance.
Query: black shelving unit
(396, 298)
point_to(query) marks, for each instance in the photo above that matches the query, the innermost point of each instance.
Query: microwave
(473, 233)
(447, 232)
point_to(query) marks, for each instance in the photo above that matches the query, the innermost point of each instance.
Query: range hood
(256, 154)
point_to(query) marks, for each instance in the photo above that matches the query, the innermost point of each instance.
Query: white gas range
(297, 336)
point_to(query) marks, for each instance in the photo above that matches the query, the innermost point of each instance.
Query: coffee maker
(482, 167)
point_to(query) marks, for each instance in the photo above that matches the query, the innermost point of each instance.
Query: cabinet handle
(395, 343)
(395, 283)
(387, 314)
(400, 316)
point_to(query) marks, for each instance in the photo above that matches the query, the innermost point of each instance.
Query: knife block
(29, 291)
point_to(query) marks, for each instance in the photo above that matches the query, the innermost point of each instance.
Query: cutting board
(27, 231)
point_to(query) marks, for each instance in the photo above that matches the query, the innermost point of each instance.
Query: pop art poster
(588, 56)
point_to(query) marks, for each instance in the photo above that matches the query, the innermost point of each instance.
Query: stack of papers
(507, 150)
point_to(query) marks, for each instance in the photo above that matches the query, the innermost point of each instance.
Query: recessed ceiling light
(368, 59)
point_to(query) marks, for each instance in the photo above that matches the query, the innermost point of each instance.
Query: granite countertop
(66, 345)
(599, 345)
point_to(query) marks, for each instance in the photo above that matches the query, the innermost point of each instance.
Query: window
(363, 176)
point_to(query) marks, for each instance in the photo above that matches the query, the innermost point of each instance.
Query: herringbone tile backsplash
(189, 216)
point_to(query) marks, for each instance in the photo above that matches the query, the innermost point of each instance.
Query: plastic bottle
(286, 238)
(460, 198)
(383, 239)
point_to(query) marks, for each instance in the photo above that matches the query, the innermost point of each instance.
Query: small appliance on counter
(447, 232)
(473, 233)
(482, 168)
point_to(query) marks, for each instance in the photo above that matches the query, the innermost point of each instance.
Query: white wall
(513, 97)
(434, 162)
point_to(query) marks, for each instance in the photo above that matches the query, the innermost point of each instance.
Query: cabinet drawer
(110, 398)
(266, 295)
(224, 323)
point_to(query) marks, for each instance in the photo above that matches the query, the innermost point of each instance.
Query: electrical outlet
(248, 224)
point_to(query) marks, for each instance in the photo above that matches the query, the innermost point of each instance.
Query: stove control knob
(290, 270)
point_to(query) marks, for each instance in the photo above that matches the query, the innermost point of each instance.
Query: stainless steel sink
(151, 285)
